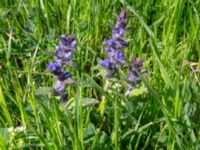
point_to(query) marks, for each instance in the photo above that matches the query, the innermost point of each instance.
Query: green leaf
(4, 108)
(139, 91)
(163, 70)
(4, 134)
(43, 91)
(163, 138)
(93, 83)
(86, 102)
(142, 21)
(3, 145)
(89, 133)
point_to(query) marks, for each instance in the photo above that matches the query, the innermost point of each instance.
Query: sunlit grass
(165, 115)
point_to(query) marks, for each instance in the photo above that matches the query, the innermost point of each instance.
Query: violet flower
(64, 52)
(115, 45)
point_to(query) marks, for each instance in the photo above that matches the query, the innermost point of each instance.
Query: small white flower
(10, 129)
(20, 128)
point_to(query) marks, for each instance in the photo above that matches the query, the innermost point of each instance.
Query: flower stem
(101, 107)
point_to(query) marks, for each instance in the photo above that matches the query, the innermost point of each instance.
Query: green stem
(101, 107)
(116, 125)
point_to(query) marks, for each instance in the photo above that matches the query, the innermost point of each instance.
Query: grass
(164, 33)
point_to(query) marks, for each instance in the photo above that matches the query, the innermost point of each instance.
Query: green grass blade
(5, 109)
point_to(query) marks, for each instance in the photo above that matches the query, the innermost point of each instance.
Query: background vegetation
(161, 114)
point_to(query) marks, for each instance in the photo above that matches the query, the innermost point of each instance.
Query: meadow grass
(162, 112)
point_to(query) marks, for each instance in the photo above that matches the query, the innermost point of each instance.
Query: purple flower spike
(115, 46)
(133, 76)
(121, 21)
(68, 41)
(64, 52)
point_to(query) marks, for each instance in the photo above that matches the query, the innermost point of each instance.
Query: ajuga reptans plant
(63, 57)
(115, 57)
(115, 45)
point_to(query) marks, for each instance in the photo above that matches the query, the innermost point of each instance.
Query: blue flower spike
(63, 55)
(133, 76)
(115, 45)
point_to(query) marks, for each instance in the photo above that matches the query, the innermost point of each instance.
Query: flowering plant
(64, 52)
(116, 59)
(115, 45)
